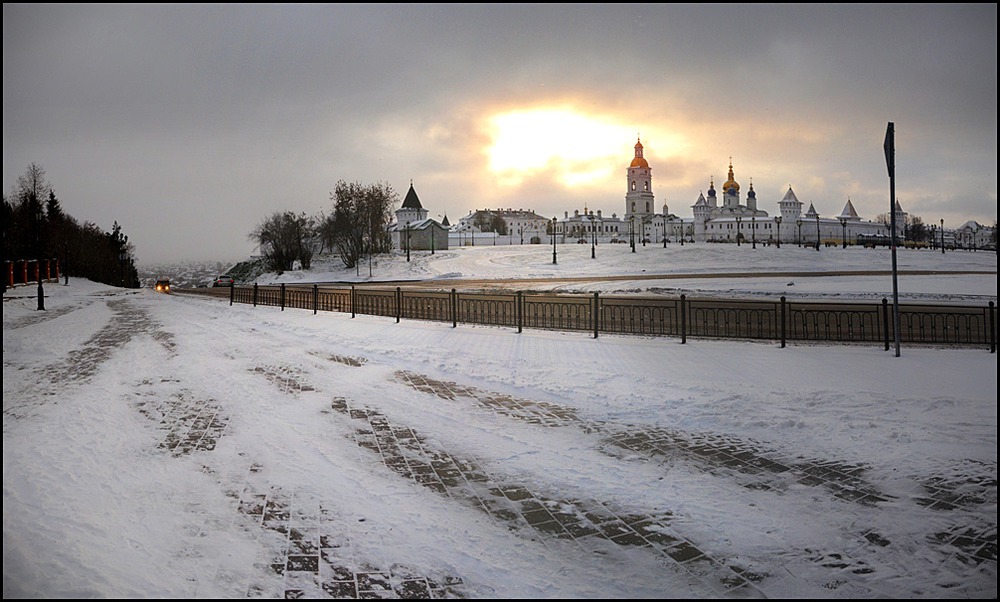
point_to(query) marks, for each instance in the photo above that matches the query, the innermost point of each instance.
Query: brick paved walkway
(307, 556)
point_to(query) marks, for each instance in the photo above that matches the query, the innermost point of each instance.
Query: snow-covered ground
(693, 269)
(173, 446)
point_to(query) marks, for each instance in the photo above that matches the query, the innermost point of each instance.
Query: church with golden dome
(733, 219)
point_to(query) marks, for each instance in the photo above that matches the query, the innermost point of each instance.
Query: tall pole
(407, 241)
(942, 237)
(777, 220)
(890, 162)
(753, 229)
(593, 238)
(553, 240)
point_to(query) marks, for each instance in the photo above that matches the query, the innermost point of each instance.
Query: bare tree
(361, 215)
(285, 238)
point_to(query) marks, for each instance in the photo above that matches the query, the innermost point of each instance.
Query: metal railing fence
(778, 320)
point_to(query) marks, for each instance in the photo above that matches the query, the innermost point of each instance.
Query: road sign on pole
(890, 162)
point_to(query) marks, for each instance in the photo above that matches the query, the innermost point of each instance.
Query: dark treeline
(35, 226)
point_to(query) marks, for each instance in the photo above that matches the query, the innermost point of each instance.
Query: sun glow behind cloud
(576, 149)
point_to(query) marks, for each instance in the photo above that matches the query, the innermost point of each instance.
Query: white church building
(731, 219)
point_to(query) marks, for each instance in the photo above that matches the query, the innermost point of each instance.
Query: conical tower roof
(849, 211)
(411, 201)
(790, 197)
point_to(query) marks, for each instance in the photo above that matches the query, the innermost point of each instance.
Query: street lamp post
(631, 232)
(843, 225)
(753, 229)
(520, 231)
(407, 241)
(777, 220)
(664, 233)
(739, 230)
(798, 240)
(553, 240)
(593, 238)
(942, 237)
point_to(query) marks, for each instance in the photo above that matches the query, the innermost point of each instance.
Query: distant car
(162, 285)
(224, 281)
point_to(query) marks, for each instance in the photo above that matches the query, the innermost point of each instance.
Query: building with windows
(501, 226)
(973, 235)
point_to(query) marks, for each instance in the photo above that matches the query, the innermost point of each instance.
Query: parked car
(162, 285)
(224, 281)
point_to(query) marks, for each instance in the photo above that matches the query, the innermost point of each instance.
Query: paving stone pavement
(970, 540)
(307, 557)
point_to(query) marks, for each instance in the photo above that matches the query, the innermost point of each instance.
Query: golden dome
(638, 161)
(730, 183)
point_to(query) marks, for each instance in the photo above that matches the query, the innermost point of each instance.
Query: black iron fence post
(399, 303)
(282, 296)
(597, 309)
(232, 293)
(993, 328)
(885, 321)
(315, 299)
(454, 308)
(518, 311)
(354, 302)
(255, 294)
(782, 322)
(683, 315)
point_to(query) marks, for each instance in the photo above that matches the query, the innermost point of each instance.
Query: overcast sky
(189, 124)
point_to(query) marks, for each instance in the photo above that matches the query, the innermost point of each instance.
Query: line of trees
(356, 228)
(490, 222)
(35, 226)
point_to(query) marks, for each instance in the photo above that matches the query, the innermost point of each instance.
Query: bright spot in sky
(576, 149)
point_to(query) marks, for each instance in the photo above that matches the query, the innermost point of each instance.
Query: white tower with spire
(411, 210)
(790, 207)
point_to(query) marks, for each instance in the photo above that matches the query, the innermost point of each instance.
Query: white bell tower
(639, 199)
